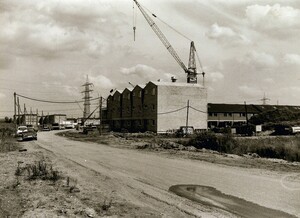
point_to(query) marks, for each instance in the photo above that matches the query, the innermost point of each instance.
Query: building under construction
(158, 107)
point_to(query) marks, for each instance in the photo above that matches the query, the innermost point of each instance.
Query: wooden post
(246, 113)
(42, 119)
(15, 108)
(187, 116)
(37, 118)
(100, 115)
(18, 120)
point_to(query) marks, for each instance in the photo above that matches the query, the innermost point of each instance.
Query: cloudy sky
(247, 48)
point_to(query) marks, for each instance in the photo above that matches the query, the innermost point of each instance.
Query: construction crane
(191, 70)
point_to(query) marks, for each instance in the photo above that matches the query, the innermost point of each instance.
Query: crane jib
(192, 75)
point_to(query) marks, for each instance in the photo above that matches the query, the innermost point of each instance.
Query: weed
(106, 205)
(19, 169)
(40, 170)
(72, 184)
(68, 181)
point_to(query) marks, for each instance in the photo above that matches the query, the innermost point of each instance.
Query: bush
(277, 115)
(287, 148)
(208, 140)
(7, 140)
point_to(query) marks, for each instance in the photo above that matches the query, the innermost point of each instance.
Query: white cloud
(249, 91)
(217, 31)
(259, 59)
(50, 29)
(215, 76)
(226, 35)
(71, 90)
(292, 91)
(101, 81)
(140, 69)
(292, 59)
(269, 80)
(275, 16)
(145, 73)
(2, 95)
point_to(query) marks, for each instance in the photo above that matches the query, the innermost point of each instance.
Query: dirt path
(143, 179)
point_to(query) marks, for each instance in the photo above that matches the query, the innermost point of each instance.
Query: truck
(185, 130)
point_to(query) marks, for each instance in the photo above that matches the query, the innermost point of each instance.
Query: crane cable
(198, 58)
(134, 21)
(154, 15)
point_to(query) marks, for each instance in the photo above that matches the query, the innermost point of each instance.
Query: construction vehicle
(191, 70)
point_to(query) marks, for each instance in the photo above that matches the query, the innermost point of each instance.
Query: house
(223, 115)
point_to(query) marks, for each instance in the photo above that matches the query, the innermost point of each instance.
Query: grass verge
(287, 148)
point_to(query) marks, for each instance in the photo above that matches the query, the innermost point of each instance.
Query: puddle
(212, 197)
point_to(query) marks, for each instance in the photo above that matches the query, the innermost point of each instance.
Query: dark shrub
(208, 140)
(205, 140)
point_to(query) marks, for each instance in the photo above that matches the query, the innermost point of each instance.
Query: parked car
(55, 126)
(21, 129)
(46, 128)
(30, 134)
(70, 126)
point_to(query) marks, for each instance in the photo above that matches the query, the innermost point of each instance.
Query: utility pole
(30, 116)
(18, 120)
(37, 117)
(187, 117)
(25, 113)
(100, 115)
(248, 131)
(42, 119)
(246, 112)
(15, 108)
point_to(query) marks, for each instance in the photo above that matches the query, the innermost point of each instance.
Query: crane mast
(191, 70)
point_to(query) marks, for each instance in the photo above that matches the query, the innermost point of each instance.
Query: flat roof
(240, 108)
(176, 84)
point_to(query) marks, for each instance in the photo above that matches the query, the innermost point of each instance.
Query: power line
(54, 102)
(172, 111)
(198, 110)
(75, 109)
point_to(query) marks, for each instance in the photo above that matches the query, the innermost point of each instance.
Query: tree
(7, 120)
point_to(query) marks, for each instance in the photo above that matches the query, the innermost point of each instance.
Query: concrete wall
(175, 96)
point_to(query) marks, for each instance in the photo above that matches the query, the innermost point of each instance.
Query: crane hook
(134, 28)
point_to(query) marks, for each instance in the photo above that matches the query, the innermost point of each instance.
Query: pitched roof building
(153, 107)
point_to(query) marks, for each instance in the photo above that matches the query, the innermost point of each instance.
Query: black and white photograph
(139, 108)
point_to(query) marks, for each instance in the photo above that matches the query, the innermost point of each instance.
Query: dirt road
(144, 178)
